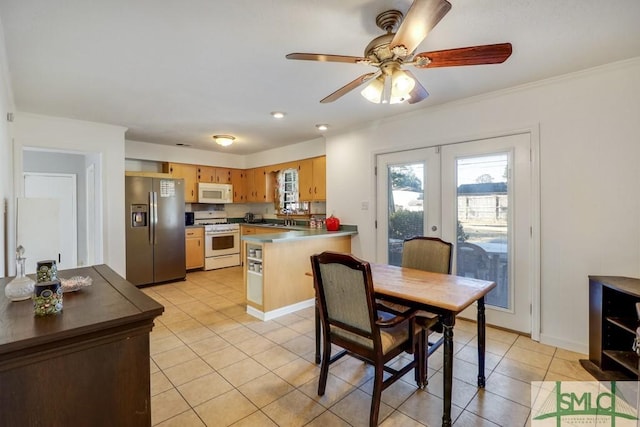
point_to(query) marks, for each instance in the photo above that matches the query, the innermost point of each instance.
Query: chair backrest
(344, 289)
(428, 254)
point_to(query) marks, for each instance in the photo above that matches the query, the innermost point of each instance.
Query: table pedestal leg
(481, 342)
(447, 322)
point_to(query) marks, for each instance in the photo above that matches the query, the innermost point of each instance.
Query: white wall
(589, 175)
(169, 153)
(6, 166)
(101, 141)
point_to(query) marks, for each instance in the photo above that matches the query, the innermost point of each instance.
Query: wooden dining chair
(427, 254)
(351, 319)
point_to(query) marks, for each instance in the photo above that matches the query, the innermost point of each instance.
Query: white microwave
(215, 193)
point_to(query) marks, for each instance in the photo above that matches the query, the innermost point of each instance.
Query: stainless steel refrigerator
(155, 229)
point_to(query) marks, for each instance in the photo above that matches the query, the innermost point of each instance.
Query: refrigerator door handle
(155, 215)
(150, 213)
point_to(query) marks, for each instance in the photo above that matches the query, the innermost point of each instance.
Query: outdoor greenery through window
(406, 210)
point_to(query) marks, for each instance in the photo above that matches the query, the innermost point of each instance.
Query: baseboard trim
(273, 314)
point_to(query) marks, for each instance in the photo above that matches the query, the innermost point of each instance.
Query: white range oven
(221, 240)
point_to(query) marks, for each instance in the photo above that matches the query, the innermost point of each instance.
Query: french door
(476, 195)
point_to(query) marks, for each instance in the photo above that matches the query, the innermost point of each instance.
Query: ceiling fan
(391, 51)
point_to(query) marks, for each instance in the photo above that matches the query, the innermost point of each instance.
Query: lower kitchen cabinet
(194, 245)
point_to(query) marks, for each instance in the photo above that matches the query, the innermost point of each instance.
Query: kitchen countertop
(286, 234)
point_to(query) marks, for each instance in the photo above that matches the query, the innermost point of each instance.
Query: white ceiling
(175, 71)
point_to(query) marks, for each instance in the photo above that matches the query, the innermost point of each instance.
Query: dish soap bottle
(21, 287)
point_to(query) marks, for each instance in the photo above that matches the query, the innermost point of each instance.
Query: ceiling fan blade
(325, 58)
(349, 87)
(418, 93)
(473, 55)
(422, 16)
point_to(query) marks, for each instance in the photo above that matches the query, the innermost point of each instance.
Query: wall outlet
(364, 205)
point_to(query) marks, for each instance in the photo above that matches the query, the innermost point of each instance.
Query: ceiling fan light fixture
(224, 140)
(373, 91)
(401, 84)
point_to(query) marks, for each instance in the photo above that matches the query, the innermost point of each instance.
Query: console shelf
(612, 326)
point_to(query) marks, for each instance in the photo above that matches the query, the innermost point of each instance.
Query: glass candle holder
(47, 298)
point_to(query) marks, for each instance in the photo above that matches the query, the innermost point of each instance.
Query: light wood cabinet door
(190, 175)
(206, 174)
(223, 175)
(239, 182)
(194, 245)
(305, 180)
(251, 185)
(312, 178)
(320, 178)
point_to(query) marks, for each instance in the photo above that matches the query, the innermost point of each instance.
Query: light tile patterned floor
(214, 365)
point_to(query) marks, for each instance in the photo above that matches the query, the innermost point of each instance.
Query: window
(288, 188)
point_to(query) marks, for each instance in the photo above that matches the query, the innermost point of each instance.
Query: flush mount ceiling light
(277, 114)
(224, 140)
(322, 127)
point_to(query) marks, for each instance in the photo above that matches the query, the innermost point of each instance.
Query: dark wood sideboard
(612, 327)
(88, 365)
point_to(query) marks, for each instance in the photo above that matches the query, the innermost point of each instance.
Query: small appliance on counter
(252, 218)
(189, 218)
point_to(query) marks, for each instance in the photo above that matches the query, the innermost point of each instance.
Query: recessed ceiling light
(277, 114)
(322, 127)
(183, 145)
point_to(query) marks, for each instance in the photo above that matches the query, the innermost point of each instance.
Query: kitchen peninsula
(275, 265)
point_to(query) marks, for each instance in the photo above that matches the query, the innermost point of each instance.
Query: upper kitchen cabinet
(312, 176)
(206, 174)
(239, 182)
(223, 175)
(260, 185)
(214, 174)
(190, 175)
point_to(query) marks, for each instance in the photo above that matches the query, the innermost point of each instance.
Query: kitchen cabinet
(312, 178)
(194, 244)
(206, 174)
(239, 182)
(190, 175)
(214, 174)
(260, 185)
(612, 325)
(223, 175)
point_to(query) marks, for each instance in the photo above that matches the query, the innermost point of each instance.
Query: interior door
(476, 195)
(60, 187)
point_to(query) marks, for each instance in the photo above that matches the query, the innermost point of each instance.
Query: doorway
(476, 195)
(59, 191)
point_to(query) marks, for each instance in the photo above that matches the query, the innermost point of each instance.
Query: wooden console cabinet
(86, 366)
(612, 325)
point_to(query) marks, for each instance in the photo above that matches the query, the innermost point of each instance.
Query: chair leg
(324, 365)
(377, 394)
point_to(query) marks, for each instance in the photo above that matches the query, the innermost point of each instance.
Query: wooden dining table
(443, 294)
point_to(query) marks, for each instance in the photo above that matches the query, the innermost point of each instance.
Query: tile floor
(214, 365)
